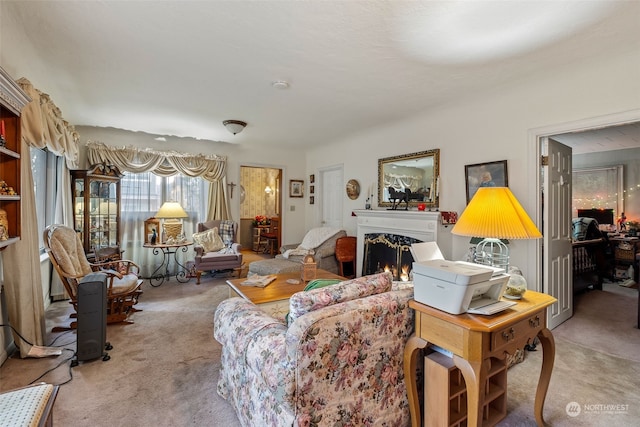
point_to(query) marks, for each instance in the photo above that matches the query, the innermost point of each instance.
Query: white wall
(489, 127)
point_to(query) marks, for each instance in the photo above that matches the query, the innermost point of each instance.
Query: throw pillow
(315, 284)
(304, 302)
(209, 240)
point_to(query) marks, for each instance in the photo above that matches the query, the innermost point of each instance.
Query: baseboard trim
(11, 348)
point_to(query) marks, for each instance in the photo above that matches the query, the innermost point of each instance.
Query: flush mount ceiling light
(280, 84)
(234, 126)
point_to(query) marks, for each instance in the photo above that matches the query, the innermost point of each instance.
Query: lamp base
(172, 230)
(492, 252)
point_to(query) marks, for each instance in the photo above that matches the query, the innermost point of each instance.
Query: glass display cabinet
(96, 201)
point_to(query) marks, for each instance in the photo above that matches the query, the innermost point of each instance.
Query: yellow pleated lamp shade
(495, 212)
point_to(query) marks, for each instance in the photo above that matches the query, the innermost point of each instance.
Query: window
(43, 165)
(145, 193)
(598, 188)
(142, 195)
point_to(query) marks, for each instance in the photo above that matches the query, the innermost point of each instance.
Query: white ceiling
(606, 139)
(182, 67)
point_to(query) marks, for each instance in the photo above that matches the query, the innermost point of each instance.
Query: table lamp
(493, 214)
(170, 212)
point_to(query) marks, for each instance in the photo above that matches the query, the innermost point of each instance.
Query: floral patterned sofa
(337, 361)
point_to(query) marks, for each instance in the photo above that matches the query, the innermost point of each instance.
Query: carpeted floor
(164, 367)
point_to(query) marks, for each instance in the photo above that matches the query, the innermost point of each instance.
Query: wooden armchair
(66, 253)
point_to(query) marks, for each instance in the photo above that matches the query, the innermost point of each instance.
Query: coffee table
(274, 298)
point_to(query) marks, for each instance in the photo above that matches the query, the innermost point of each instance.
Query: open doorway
(537, 138)
(260, 195)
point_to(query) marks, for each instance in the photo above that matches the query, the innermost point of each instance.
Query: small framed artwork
(492, 174)
(312, 189)
(312, 179)
(312, 200)
(295, 188)
(151, 229)
(449, 217)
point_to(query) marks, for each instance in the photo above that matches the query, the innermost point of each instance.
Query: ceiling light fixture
(234, 126)
(280, 84)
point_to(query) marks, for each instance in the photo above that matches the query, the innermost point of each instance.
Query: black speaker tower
(92, 319)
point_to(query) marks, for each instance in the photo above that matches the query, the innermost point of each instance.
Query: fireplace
(391, 234)
(388, 252)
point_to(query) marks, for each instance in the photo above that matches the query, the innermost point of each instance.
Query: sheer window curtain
(52, 183)
(142, 196)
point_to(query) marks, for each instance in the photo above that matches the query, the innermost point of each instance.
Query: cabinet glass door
(97, 207)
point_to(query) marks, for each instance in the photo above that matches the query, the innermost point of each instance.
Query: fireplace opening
(388, 252)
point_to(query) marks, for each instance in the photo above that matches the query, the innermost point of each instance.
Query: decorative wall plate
(353, 189)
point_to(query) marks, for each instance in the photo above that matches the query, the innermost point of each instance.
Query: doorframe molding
(534, 146)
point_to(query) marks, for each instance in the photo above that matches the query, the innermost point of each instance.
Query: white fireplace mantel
(421, 225)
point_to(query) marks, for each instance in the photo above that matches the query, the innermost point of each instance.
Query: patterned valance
(42, 125)
(162, 163)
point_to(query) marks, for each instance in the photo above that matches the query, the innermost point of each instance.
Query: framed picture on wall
(295, 188)
(312, 200)
(312, 179)
(151, 225)
(492, 174)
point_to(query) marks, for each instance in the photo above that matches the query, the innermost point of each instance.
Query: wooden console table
(473, 340)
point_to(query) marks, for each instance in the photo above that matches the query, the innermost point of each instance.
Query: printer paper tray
(492, 308)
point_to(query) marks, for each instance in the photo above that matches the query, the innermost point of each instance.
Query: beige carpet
(601, 318)
(164, 367)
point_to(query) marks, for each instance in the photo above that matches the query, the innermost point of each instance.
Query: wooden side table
(474, 340)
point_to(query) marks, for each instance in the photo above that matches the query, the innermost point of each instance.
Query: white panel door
(331, 190)
(557, 263)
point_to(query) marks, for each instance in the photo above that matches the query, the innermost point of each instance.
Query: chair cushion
(304, 302)
(125, 285)
(25, 406)
(219, 257)
(209, 240)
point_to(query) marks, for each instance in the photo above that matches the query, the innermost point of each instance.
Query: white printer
(459, 287)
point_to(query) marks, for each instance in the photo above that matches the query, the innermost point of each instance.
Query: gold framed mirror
(417, 172)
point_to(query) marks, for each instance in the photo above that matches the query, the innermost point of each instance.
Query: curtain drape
(168, 163)
(21, 269)
(41, 126)
(218, 206)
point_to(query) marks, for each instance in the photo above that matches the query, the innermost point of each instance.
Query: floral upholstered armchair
(337, 360)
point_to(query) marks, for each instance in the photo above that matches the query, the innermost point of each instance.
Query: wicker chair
(66, 253)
